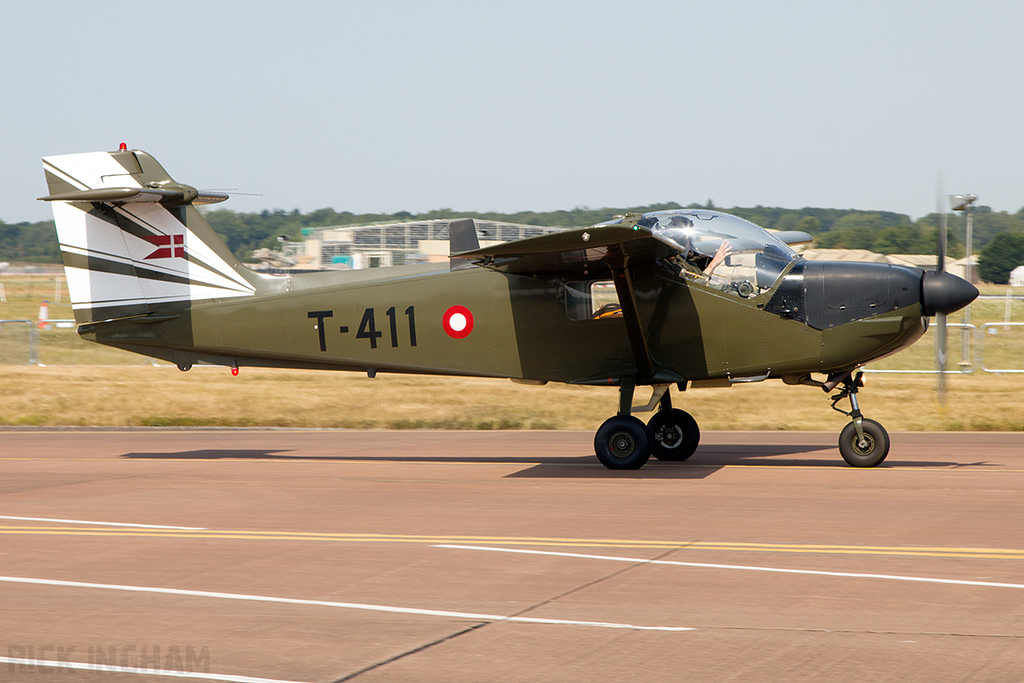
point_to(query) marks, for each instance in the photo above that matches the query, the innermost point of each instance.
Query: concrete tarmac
(319, 556)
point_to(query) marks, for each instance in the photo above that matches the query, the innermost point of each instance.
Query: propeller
(940, 317)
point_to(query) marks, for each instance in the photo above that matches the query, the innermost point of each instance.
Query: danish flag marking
(171, 246)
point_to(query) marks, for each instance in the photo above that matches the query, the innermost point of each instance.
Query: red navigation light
(234, 372)
(123, 147)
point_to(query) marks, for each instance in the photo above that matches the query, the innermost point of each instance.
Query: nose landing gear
(863, 442)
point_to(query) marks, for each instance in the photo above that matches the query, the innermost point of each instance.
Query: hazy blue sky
(506, 106)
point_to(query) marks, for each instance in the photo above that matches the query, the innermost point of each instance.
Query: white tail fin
(132, 242)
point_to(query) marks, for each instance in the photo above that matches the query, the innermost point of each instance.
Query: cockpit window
(591, 300)
(720, 250)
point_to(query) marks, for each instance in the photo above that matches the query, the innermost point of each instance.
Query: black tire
(678, 443)
(622, 443)
(868, 454)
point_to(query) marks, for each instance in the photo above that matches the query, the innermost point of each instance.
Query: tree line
(883, 232)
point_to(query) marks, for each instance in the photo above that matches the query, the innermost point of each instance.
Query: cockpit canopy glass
(721, 250)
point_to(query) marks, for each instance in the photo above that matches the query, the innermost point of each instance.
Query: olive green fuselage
(518, 326)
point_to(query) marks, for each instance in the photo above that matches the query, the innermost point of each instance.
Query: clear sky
(526, 105)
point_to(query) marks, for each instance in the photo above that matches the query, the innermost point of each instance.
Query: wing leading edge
(573, 251)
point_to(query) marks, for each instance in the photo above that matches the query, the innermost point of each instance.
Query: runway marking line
(82, 521)
(331, 459)
(704, 565)
(255, 535)
(345, 605)
(111, 668)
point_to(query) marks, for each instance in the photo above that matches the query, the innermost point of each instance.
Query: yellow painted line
(343, 460)
(336, 460)
(722, 546)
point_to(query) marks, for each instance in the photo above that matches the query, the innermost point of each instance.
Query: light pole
(965, 202)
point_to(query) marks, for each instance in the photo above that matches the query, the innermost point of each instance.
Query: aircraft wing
(573, 251)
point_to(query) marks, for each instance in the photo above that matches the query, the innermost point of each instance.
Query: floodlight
(959, 202)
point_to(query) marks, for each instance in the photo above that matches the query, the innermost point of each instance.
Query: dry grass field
(206, 396)
(85, 384)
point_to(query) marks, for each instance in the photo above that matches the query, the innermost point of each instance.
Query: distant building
(842, 255)
(1017, 277)
(923, 261)
(395, 244)
(959, 268)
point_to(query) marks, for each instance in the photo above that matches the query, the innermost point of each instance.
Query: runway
(321, 556)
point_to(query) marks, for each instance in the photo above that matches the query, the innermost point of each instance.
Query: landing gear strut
(863, 442)
(624, 443)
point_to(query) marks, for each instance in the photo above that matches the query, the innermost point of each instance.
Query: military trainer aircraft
(685, 298)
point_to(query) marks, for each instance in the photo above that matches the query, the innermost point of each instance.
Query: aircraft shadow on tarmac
(278, 454)
(216, 454)
(712, 458)
(707, 460)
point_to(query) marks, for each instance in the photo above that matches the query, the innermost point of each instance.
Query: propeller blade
(940, 355)
(940, 318)
(941, 220)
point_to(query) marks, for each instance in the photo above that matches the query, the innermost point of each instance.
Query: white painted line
(345, 605)
(85, 666)
(848, 575)
(82, 521)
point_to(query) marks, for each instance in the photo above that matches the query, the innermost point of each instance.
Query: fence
(1002, 347)
(992, 347)
(22, 342)
(19, 342)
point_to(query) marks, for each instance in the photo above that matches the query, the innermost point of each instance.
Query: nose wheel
(867, 449)
(863, 442)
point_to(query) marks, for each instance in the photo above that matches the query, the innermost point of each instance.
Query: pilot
(724, 250)
(680, 230)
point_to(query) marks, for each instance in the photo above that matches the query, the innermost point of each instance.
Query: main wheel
(675, 443)
(869, 452)
(622, 443)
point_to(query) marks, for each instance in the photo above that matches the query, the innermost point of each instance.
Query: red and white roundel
(458, 322)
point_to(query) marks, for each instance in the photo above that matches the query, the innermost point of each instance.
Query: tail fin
(132, 241)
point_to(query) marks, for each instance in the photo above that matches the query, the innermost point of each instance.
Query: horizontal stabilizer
(133, 242)
(131, 195)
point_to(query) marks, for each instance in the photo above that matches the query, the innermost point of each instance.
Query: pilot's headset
(678, 230)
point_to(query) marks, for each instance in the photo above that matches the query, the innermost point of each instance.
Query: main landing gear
(863, 442)
(623, 442)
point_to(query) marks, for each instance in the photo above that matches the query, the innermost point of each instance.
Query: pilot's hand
(724, 250)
